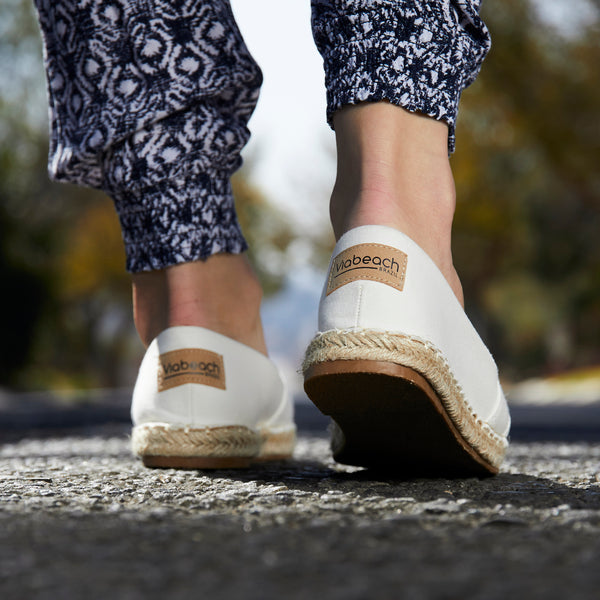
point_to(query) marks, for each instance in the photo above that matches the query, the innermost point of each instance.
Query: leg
(149, 109)
(150, 102)
(393, 170)
(202, 293)
(394, 76)
(397, 364)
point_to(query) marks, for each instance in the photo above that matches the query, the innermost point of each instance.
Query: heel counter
(151, 404)
(341, 308)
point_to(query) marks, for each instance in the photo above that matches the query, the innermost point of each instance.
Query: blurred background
(527, 228)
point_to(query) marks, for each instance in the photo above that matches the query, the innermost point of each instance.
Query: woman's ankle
(220, 293)
(431, 232)
(393, 170)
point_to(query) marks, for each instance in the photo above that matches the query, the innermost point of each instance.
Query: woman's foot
(398, 366)
(204, 399)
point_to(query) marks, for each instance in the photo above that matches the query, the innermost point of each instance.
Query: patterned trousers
(150, 99)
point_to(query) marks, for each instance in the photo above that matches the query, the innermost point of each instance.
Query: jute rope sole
(426, 360)
(163, 445)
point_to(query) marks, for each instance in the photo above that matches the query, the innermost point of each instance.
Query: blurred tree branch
(528, 184)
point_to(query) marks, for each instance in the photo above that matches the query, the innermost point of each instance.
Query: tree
(528, 185)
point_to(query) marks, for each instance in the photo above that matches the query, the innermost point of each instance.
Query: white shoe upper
(194, 377)
(409, 295)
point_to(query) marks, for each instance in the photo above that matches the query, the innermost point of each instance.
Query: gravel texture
(81, 518)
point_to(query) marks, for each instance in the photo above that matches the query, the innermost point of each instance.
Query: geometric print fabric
(149, 100)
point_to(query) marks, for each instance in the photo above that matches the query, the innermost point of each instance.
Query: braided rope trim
(423, 357)
(278, 445)
(157, 439)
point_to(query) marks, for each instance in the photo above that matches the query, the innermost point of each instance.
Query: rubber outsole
(387, 416)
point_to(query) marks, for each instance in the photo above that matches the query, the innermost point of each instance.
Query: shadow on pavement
(506, 488)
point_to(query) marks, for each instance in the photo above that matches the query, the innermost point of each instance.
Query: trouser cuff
(417, 55)
(178, 221)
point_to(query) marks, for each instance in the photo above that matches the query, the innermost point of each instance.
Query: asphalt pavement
(81, 518)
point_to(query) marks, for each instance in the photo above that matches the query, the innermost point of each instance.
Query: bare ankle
(393, 170)
(220, 293)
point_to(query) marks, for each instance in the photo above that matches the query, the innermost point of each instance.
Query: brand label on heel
(374, 262)
(190, 365)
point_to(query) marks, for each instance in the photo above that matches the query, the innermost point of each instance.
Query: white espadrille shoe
(398, 365)
(205, 401)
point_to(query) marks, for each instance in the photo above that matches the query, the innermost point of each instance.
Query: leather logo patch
(374, 262)
(190, 365)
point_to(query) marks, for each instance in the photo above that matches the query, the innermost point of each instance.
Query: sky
(291, 150)
(291, 157)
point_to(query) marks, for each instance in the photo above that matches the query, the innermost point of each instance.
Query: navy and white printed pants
(150, 99)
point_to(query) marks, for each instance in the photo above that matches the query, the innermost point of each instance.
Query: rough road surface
(81, 518)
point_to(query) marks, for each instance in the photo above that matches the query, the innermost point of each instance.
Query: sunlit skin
(221, 293)
(392, 169)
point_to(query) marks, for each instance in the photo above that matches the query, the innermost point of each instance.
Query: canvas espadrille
(399, 367)
(205, 401)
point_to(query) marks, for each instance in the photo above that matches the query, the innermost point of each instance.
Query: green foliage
(60, 327)
(528, 182)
